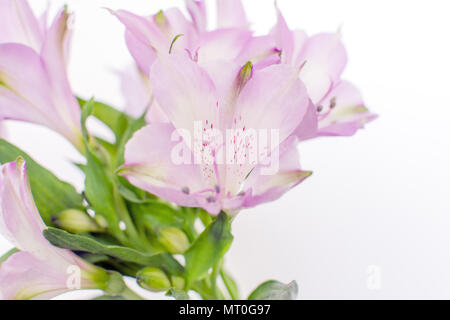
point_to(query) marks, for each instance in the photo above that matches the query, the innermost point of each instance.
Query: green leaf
(154, 214)
(122, 125)
(133, 126)
(5, 257)
(51, 195)
(116, 120)
(208, 249)
(100, 191)
(63, 239)
(99, 188)
(178, 294)
(275, 290)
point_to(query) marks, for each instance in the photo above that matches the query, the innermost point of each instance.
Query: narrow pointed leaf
(83, 243)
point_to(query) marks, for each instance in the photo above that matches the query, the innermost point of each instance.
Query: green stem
(129, 294)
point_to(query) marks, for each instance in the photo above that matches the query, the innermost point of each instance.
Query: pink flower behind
(38, 270)
(170, 30)
(33, 82)
(322, 59)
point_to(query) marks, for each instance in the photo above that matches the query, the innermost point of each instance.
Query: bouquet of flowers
(213, 128)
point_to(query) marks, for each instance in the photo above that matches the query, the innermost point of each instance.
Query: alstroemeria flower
(39, 270)
(33, 82)
(170, 30)
(18, 24)
(322, 58)
(215, 108)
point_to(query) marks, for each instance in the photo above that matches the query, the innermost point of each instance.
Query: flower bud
(76, 221)
(178, 282)
(153, 279)
(174, 240)
(245, 75)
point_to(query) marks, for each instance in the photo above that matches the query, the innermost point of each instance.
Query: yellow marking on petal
(153, 174)
(287, 178)
(344, 112)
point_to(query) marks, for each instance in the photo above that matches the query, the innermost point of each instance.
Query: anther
(333, 103)
(185, 190)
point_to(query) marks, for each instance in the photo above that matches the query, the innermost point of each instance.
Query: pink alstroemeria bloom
(39, 270)
(18, 24)
(234, 101)
(33, 81)
(170, 30)
(322, 57)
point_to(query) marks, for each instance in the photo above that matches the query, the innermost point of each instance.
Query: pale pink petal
(308, 128)
(324, 58)
(225, 75)
(143, 54)
(24, 86)
(231, 14)
(273, 99)
(261, 51)
(136, 90)
(225, 44)
(185, 92)
(179, 25)
(197, 11)
(269, 187)
(24, 277)
(27, 93)
(284, 39)
(154, 162)
(19, 25)
(54, 54)
(40, 269)
(143, 30)
(20, 222)
(138, 95)
(343, 111)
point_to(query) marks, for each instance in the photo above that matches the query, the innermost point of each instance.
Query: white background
(379, 199)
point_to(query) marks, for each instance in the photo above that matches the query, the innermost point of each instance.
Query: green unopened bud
(178, 283)
(153, 279)
(76, 221)
(174, 240)
(245, 75)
